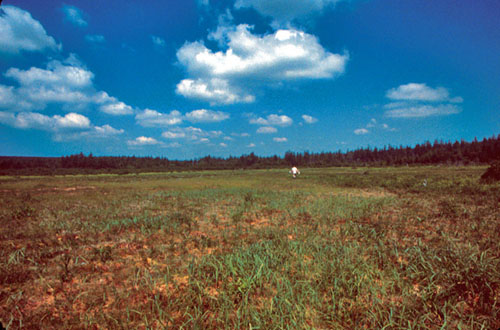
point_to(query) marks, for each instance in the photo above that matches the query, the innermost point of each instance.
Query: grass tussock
(400, 248)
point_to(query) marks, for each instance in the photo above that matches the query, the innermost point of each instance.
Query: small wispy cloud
(266, 130)
(280, 139)
(309, 119)
(421, 111)
(74, 15)
(158, 41)
(95, 38)
(206, 116)
(361, 131)
(143, 141)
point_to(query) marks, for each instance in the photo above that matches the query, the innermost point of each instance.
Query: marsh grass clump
(341, 248)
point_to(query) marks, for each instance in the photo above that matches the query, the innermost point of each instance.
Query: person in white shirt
(294, 171)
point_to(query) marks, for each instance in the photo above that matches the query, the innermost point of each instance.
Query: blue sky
(184, 79)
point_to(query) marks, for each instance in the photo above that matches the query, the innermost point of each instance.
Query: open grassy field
(336, 248)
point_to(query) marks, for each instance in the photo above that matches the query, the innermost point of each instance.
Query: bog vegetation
(392, 248)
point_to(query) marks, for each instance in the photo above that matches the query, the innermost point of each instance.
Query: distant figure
(294, 171)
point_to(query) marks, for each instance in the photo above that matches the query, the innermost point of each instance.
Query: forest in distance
(461, 152)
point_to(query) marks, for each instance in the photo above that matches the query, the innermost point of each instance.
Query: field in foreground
(394, 248)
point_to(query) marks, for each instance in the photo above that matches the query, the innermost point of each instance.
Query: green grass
(336, 248)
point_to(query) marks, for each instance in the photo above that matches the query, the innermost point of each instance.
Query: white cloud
(191, 133)
(225, 76)
(39, 121)
(95, 38)
(74, 15)
(142, 141)
(420, 101)
(174, 134)
(420, 111)
(7, 96)
(65, 83)
(152, 118)
(273, 120)
(285, 11)
(206, 116)
(106, 130)
(309, 119)
(222, 144)
(280, 139)
(361, 131)
(215, 91)
(56, 74)
(251, 145)
(228, 138)
(267, 130)
(117, 109)
(20, 32)
(157, 41)
(72, 120)
(418, 92)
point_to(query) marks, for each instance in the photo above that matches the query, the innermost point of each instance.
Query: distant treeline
(439, 152)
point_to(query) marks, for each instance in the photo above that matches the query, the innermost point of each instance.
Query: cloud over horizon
(419, 101)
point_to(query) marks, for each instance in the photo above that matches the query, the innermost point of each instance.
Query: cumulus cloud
(309, 119)
(213, 90)
(420, 92)
(56, 74)
(74, 15)
(106, 130)
(7, 96)
(117, 109)
(280, 139)
(224, 77)
(222, 144)
(361, 131)
(285, 11)
(251, 145)
(273, 120)
(142, 141)
(206, 116)
(67, 83)
(72, 120)
(20, 32)
(42, 122)
(418, 101)
(420, 111)
(266, 130)
(95, 38)
(153, 118)
(191, 133)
